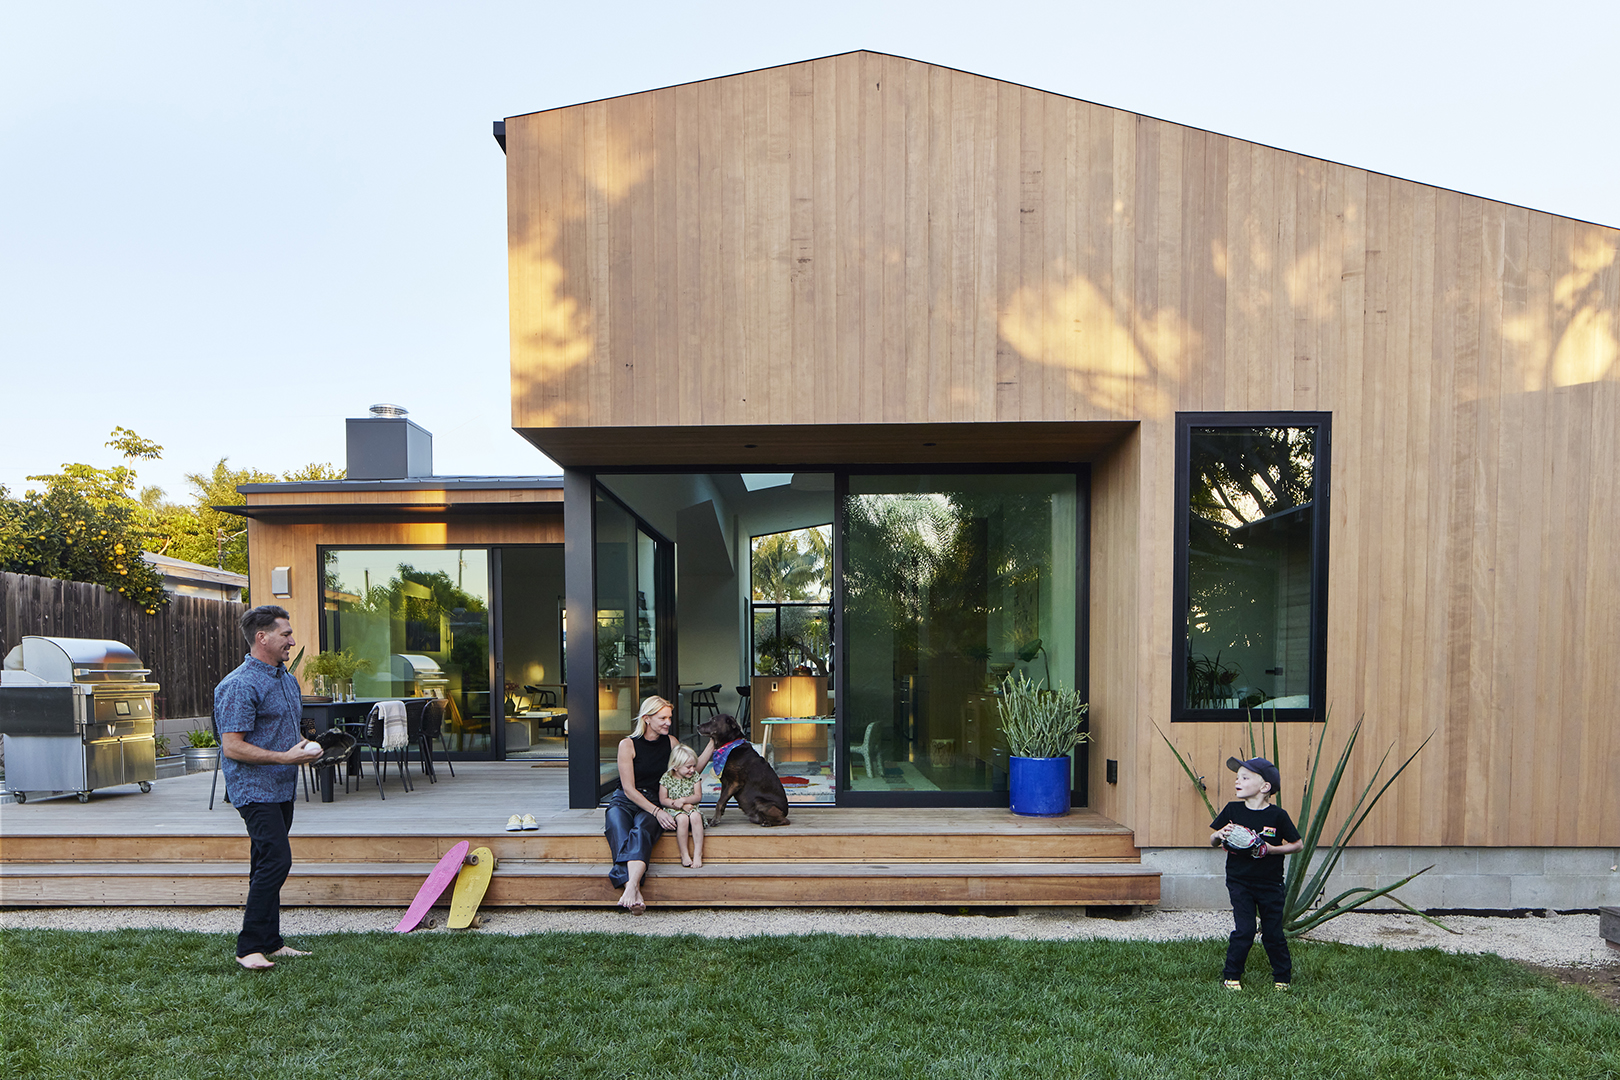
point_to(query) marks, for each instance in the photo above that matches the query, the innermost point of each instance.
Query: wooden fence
(190, 645)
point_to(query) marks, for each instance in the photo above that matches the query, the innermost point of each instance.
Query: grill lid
(62, 660)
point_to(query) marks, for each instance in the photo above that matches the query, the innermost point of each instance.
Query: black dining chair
(375, 736)
(706, 698)
(431, 712)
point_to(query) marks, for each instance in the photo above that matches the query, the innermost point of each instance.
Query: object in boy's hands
(1239, 838)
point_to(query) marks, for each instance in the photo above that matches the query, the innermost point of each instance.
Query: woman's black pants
(631, 834)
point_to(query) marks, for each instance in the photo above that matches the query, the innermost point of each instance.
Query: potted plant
(337, 669)
(168, 763)
(1042, 727)
(201, 752)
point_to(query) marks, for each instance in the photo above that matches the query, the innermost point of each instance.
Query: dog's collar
(720, 755)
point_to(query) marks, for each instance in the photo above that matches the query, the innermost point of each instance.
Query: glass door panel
(535, 698)
(950, 583)
(418, 621)
(618, 688)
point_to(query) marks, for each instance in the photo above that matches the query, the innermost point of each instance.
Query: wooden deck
(125, 848)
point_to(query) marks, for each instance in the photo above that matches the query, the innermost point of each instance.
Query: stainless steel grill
(76, 716)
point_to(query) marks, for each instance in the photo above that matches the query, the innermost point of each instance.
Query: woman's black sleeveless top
(652, 761)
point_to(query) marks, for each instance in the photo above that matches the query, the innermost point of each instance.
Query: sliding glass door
(949, 584)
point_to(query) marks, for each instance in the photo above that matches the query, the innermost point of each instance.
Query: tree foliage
(87, 523)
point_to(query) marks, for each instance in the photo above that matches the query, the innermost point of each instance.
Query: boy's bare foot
(256, 961)
(288, 950)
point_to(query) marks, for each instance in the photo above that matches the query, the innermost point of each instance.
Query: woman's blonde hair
(648, 707)
(680, 755)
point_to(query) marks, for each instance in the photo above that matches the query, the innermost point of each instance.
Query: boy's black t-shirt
(1274, 826)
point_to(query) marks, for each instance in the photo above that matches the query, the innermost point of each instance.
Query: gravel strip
(1554, 941)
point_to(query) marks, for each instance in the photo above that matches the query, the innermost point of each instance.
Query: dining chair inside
(705, 698)
(744, 692)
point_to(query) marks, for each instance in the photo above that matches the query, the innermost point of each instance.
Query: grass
(133, 1004)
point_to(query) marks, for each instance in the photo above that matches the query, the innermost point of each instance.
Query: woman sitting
(635, 821)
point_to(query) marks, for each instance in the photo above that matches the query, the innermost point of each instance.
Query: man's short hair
(260, 618)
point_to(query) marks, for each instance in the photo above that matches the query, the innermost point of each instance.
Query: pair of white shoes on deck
(526, 823)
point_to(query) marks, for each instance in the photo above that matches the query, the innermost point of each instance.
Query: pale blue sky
(231, 225)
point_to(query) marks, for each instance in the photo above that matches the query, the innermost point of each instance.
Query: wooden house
(1279, 431)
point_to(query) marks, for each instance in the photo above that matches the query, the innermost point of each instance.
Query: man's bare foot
(288, 950)
(256, 961)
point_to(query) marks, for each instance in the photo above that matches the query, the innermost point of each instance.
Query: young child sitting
(681, 792)
(1251, 828)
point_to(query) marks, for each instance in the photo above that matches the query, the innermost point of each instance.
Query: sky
(230, 225)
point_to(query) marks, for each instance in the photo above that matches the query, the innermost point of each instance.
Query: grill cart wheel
(20, 796)
(146, 787)
(84, 796)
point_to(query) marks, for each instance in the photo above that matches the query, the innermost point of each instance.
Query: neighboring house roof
(182, 576)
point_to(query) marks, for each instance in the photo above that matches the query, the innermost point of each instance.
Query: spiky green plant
(1040, 723)
(1307, 877)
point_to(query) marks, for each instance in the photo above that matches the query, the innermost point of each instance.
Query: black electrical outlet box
(1113, 771)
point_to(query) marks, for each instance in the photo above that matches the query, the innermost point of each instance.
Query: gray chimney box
(388, 447)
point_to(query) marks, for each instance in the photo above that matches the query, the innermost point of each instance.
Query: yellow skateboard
(470, 885)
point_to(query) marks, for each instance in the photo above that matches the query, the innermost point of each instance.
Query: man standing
(257, 709)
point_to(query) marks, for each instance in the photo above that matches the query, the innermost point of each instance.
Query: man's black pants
(1266, 898)
(271, 859)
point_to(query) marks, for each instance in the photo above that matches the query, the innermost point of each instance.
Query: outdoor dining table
(350, 716)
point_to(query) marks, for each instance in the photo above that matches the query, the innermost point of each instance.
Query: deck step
(741, 843)
(520, 882)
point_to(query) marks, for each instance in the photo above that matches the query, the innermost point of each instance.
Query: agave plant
(1307, 876)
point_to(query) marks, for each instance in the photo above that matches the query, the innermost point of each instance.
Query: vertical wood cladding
(865, 239)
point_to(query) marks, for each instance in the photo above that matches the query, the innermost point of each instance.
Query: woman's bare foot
(256, 961)
(686, 860)
(288, 950)
(697, 864)
(630, 899)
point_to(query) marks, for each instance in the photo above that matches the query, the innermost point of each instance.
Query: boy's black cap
(1262, 768)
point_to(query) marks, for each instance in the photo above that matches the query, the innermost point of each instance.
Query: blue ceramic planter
(1039, 787)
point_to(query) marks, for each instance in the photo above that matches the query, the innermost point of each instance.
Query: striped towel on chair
(393, 718)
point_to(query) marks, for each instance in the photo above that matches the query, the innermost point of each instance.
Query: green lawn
(161, 1004)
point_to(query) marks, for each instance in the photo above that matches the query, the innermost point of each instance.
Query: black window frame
(1320, 516)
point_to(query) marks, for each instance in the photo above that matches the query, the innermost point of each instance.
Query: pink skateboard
(434, 887)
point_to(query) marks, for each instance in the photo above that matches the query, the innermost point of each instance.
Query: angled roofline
(500, 125)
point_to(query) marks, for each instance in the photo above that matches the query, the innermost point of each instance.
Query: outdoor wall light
(281, 582)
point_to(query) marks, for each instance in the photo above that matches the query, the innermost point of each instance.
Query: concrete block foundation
(1487, 879)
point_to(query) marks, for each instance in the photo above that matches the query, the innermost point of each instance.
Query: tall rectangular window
(1251, 564)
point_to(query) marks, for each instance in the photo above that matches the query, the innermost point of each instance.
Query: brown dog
(760, 794)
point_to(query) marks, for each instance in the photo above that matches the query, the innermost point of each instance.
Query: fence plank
(189, 645)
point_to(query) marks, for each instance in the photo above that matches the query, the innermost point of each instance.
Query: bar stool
(704, 699)
(744, 692)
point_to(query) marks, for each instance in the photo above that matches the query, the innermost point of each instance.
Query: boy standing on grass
(1254, 868)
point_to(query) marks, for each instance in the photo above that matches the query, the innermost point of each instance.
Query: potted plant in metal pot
(1042, 727)
(201, 750)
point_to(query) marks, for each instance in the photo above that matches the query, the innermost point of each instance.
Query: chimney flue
(388, 446)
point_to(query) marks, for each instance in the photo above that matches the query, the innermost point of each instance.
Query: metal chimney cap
(388, 410)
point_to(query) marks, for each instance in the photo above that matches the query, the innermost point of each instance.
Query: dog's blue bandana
(720, 755)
